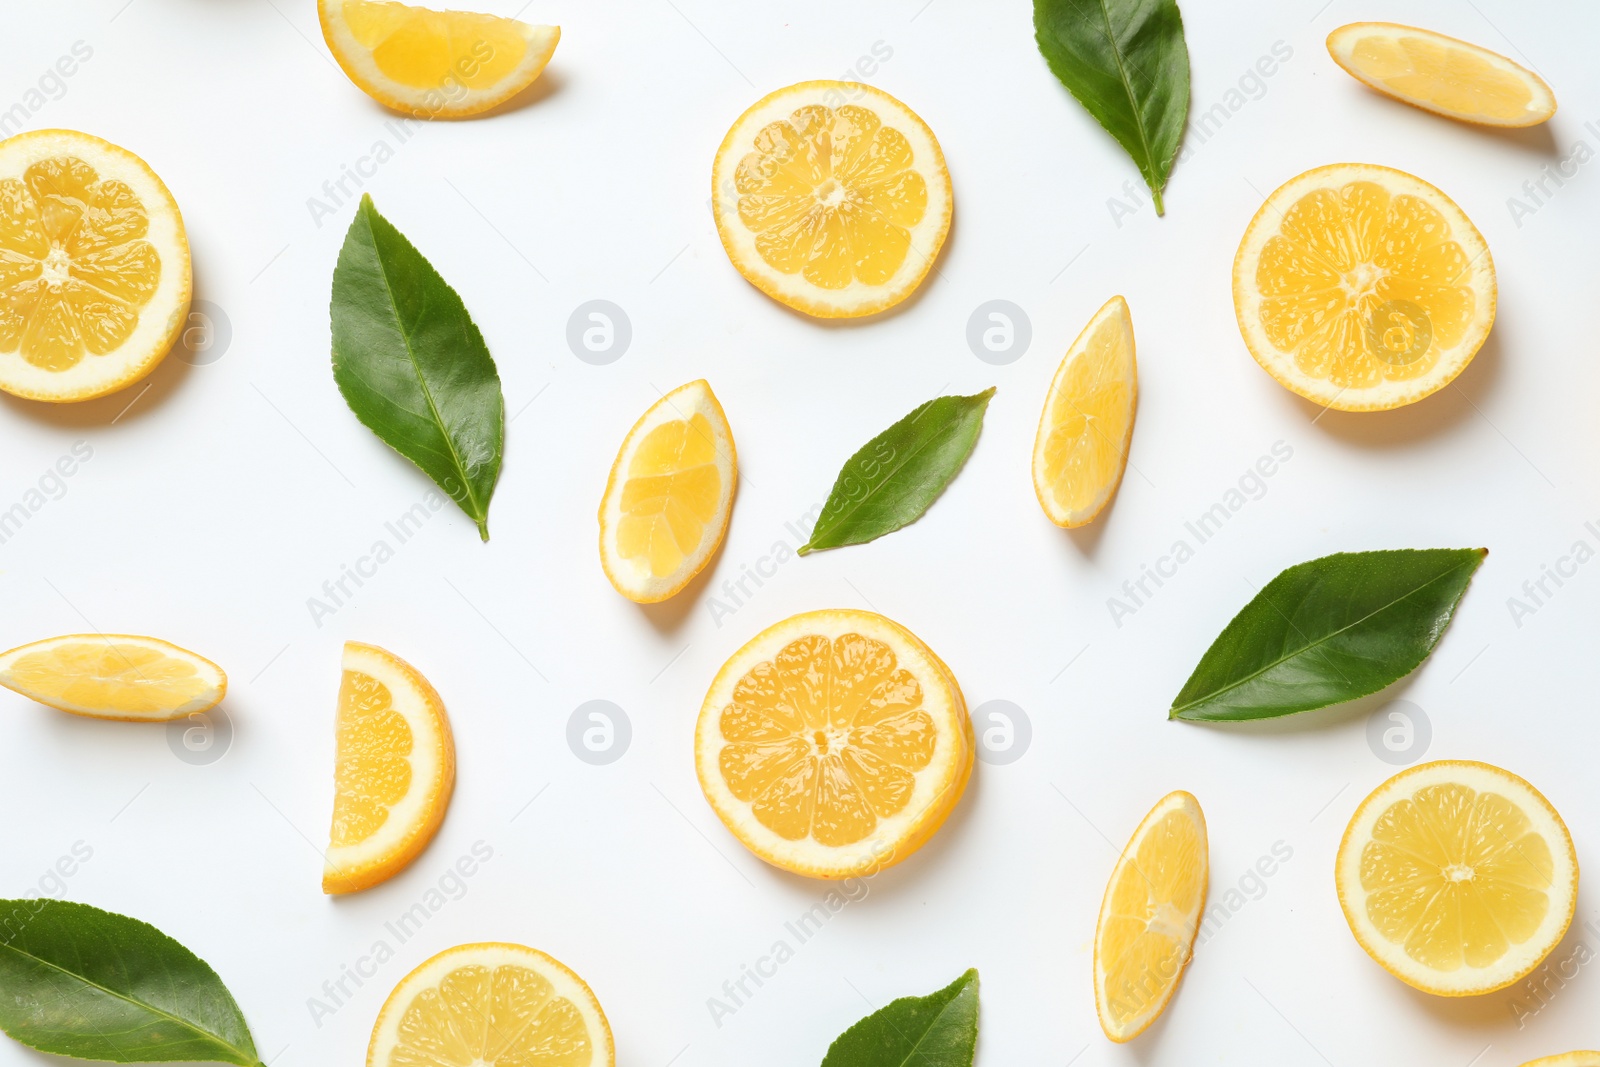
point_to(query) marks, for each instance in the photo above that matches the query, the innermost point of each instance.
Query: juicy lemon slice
(434, 64)
(491, 1005)
(396, 767)
(834, 744)
(94, 267)
(1150, 916)
(1362, 288)
(1567, 1059)
(1441, 74)
(835, 208)
(1457, 877)
(1082, 445)
(669, 496)
(114, 676)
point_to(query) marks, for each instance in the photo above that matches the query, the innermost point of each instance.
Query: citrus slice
(1567, 1059)
(1087, 425)
(1441, 74)
(114, 676)
(434, 64)
(834, 744)
(1457, 877)
(834, 208)
(94, 267)
(669, 495)
(491, 1005)
(1362, 288)
(395, 769)
(1150, 915)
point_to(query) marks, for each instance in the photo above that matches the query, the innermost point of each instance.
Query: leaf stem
(483, 528)
(1155, 193)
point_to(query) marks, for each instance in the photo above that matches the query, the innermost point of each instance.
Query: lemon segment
(834, 744)
(832, 198)
(1086, 427)
(1441, 74)
(434, 64)
(1362, 288)
(1567, 1059)
(114, 676)
(1150, 916)
(394, 772)
(669, 496)
(94, 267)
(1457, 877)
(491, 1005)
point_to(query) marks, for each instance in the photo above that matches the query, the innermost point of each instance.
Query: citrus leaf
(896, 476)
(78, 981)
(412, 365)
(1329, 630)
(1127, 63)
(938, 1030)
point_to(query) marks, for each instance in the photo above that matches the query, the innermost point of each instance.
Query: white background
(224, 497)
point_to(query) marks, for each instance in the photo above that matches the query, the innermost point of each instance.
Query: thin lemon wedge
(669, 496)
(1458, 878)
(491, 1005)
(114, 676)
(1086, 427)
(1363, 288)
(1441, 74)
(834, 744)
(434, 64)
(94, 267)
(395, 769)
(1150, 916)
(834, 208)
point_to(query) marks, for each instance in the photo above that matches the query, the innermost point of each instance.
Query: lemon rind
(217, 680)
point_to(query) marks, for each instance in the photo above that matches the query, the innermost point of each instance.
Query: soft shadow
(668, 615)
(1414, 422)
(1318, 720)
(544, 86)
(1535, 140)
(1086, 538)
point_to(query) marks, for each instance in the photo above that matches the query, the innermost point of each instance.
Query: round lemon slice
(1362, 288)
(831, 197)
(834, 744)
(114, 676)
(394, 773)
(1150, 916)
(94, 267)
(1457, 877)
(669, 496)
(1086, 427)
(491, 1005)
(1567, 1059)
(1441, 74)
(434, 64)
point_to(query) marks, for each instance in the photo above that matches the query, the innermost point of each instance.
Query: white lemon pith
(94, 267)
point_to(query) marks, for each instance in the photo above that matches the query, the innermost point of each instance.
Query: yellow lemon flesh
(1087, 424)
(832, 198)
(394, 772)
(1441, 74)
(1362, 288)
(94, 267)
(669, 496)
(491, 1005)
(114, 676)
(1150, 916)
(834, 744)
(1457, 877)
(434, 64)
(1567, 1059)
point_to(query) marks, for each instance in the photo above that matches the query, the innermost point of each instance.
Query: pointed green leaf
(897, 475)
(1127, 63)
(78, 981)
(412, 365)
(1327, 631)
(938, 1030)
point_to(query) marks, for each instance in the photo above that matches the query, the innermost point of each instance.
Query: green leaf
(1127, 63)
(1327, 631)
(938, 1030)
(412, 365)
(78, 981)
(898, 474)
